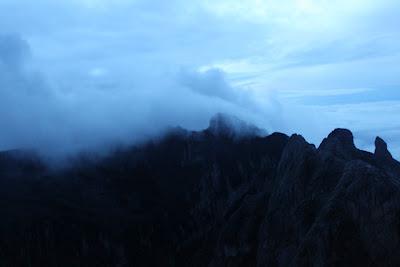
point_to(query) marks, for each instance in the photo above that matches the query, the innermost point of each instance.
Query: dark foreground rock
(212, 198)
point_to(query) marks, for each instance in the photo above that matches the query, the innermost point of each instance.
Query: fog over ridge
(41, 116)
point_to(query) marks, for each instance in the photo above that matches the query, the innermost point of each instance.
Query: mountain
(226, 196)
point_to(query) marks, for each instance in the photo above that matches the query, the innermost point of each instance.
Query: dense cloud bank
(59, 121)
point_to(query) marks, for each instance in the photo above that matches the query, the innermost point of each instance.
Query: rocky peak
(384, 158)
(339, 142)
(381, 149)
(296, 142)
(231, 126)
(296, 151)
(343, 136)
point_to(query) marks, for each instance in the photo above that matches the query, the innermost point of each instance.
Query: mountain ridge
(208, 198)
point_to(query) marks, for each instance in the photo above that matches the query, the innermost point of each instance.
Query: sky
(78, 74)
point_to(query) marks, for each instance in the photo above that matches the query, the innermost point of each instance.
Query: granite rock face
(225, 196)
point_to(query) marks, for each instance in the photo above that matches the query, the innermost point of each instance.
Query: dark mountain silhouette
(225, 196)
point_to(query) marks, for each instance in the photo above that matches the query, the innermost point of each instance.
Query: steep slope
(225, 196)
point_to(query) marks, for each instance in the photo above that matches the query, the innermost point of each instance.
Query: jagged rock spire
(381, 149)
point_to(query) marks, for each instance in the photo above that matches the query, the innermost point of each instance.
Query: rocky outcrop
(385, 159)
(231, 126)
(225, 196)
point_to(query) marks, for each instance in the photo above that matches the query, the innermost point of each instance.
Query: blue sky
(74, 69)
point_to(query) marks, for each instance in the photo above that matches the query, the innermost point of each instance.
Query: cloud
(86, 115)
(124, 59)
(25, 98)
(201, 83)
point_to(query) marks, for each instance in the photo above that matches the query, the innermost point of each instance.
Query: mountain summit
(227, 125)
(231, 198)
